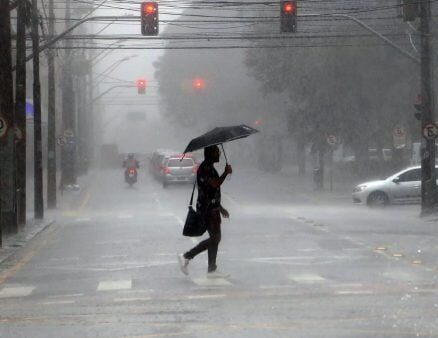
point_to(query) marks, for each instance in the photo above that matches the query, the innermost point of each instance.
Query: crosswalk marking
(354, 292)
(58, 302)
(211, 282)
(67, 295)
(83, 219)
(19, 291)
(114, 285)
(306, 278)
(124, 216)
(132, 299)
(207, 296)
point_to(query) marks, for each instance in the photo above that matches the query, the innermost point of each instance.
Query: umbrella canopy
(219, 135)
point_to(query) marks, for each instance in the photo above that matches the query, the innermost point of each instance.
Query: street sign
(430, 131)
(60, 140)
(399, 137)
(332, 140)
(399, 132)
(3, 127)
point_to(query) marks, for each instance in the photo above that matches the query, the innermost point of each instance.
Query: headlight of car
(359, 188)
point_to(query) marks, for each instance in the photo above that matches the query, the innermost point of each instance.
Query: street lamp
(115, 65)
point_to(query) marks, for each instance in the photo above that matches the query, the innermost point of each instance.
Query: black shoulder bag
(195, 224)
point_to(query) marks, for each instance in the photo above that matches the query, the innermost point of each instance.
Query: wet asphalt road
(300, 267)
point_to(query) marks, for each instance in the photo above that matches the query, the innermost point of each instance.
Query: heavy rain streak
(218, 168)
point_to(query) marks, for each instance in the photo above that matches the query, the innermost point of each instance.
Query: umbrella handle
(223, 150)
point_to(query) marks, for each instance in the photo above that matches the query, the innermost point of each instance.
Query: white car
(402, 187)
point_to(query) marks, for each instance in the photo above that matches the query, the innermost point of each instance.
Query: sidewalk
(12, 243)
(65, 200)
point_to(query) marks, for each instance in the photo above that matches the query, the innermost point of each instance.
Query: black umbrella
(220, 135)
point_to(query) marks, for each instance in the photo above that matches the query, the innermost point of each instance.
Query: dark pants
(213, 219)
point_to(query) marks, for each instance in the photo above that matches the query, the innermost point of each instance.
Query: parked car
(402, 187)
(176, 170)
(156, 162)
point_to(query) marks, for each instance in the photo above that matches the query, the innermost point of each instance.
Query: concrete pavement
(108, 268)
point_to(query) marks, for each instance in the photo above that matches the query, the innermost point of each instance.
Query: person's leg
(213, 227)
(215, 237)
(202, 246)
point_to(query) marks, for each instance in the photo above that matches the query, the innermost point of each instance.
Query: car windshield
(176, 162)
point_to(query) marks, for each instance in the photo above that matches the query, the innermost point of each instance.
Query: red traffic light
(149, 18)
(141, 86)
(150, 7)
(289, 7)
(198, 83)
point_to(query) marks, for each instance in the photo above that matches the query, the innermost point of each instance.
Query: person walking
(210, 209)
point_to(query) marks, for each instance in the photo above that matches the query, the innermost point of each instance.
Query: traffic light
(198, 83)
(141, 86)
(410, 9)
(288, 16)
(149, 18)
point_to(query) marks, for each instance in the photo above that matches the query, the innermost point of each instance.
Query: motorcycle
(131, 175)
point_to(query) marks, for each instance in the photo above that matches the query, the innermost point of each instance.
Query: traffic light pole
(7, 151)
(428, 175)
(38, 151)
(51, 123)
(20, 112)
(68, 152)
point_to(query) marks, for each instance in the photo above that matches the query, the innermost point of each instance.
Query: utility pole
(428, 175)
(68, 154)
(51, 137)
(20, 112)
(38, 158)
(7, 152)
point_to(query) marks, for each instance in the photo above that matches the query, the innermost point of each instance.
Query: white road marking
(113, 256)
(65, 259)
(127, 292)
(211, 282)
(354, 292)
(347, 285)
(306, 278)
(125, 241)
(114, 285)
(132, 299)
(67, 296)
(83, 219)
(221, 295)
(179, 220)
(59, 302)
(276, 286)
(124, 216)
(19, 291)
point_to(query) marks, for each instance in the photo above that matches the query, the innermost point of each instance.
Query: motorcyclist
(130, 162)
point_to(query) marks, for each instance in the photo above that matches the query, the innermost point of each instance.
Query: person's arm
(224, 212)
(217, 182)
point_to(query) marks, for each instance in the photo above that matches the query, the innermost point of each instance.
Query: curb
(13, 243)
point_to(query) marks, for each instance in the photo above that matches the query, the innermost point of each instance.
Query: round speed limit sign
(430, 131)
(3, 127)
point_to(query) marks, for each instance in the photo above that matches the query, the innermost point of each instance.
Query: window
(176, 162)
(411, 175)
